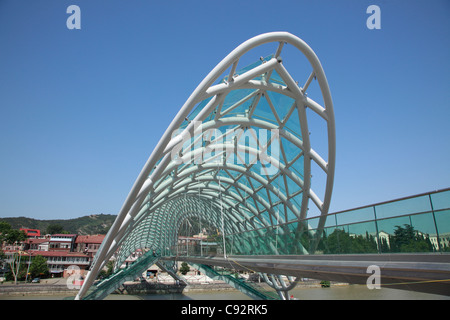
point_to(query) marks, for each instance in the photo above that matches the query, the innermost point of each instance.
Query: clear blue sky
(81, 110)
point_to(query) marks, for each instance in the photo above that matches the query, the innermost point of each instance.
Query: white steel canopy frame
(190, 173)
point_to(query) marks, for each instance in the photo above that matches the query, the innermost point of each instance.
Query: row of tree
(9, 235)
(24, 267)
(405, 239)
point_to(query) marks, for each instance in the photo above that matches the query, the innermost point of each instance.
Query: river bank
(307, 290)
(50, 287)
(58, 287)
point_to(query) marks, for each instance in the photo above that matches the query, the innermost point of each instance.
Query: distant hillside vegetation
(93, 224)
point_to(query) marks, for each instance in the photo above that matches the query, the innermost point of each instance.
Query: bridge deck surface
(417, 272)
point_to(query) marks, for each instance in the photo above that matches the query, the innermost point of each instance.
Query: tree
(9, 235)
(184, 268)
(340, 242)
(14, 236)
(54, 228)
(14, 264)
(109, 269)
(38, 267)
(4, 228)
(406, 239)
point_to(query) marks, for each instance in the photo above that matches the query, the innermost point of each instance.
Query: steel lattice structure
(238, 156)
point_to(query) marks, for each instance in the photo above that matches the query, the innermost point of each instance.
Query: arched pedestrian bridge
(235, 168)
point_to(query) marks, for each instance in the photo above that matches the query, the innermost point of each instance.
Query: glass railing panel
(314, 222)
(387, 226)
(443, 226)
(424, 224)
(407, 225)
(403, 234)
(403, 207)
(357, 215)
(331, 221)
(327, 244)
(348, 239)
(440, 200)
(365, 229)
(296, 239)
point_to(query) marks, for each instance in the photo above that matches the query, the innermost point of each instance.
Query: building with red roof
(64, 252)
(62, 242)
(35, 233)
(89, 244)
(59, 261)
(41, 244)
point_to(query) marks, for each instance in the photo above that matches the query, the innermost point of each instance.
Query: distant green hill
(93, 224)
